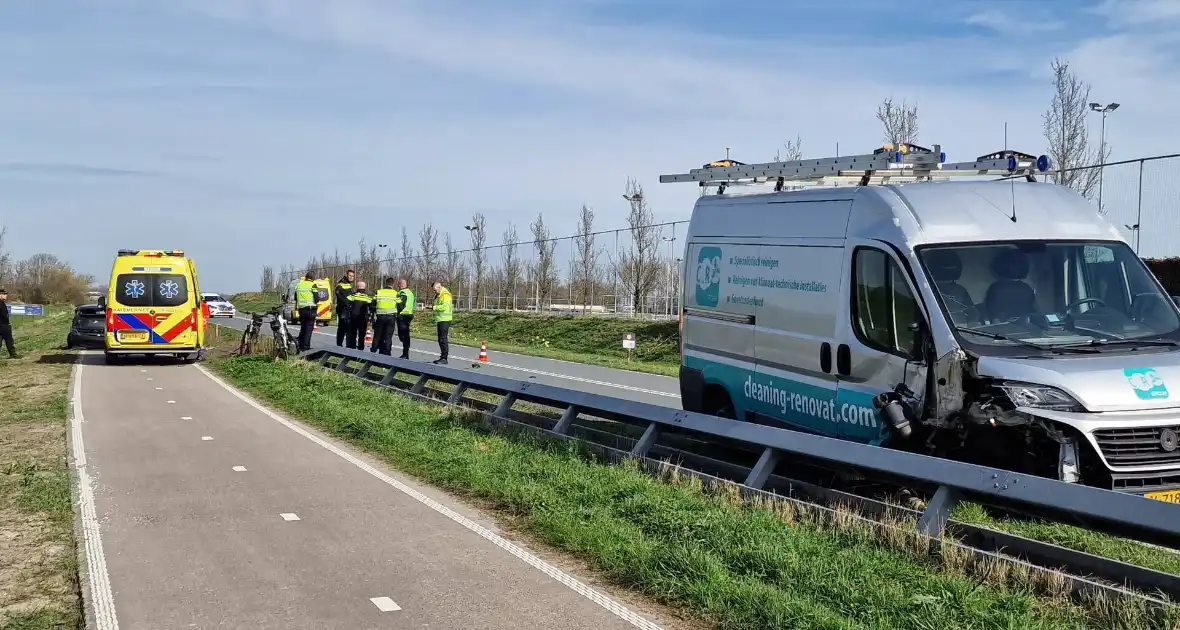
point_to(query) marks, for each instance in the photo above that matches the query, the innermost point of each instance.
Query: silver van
(1002, 322)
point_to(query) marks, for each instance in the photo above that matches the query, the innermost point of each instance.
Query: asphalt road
(202, 509)
(648, 388)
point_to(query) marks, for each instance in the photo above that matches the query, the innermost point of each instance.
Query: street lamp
(1104, 110)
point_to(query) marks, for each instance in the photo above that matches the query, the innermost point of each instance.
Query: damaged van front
(1066, 353)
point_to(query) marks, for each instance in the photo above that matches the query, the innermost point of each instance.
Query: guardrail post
(324, 359)
(761, 471)
(457, 395)
(389, 376)
(647, 441)
(364, 369)
(343, 362)
(938, 511)
(505, 405)
(420, 384)
(567, 418)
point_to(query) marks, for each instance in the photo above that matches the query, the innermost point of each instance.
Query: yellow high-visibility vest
(386, 301)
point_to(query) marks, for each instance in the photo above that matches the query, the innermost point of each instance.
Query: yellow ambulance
(153, 306)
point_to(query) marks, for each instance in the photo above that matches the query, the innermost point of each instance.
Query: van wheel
(111, 358)
(718, 403)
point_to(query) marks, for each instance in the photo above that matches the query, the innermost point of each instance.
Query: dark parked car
(89, 328)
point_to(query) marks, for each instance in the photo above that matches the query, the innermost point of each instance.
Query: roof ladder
(905, 163)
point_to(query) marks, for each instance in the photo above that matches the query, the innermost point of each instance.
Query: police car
(218, 306)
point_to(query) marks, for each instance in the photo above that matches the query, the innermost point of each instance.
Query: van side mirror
(102, 302)
(921, 338)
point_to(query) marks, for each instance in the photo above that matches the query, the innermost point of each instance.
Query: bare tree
(639, 267)
(452, 270)
(1067, 135)
(5, 258)
(544, 266)
(405, 264)
(368, 266)
(900, 121)
(587, 267)
(46, 279)
(479, 255)
(791, 151)
(428, 259)
(511, 263)
(267, 281)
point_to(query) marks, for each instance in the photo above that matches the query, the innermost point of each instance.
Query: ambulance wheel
(111, 358)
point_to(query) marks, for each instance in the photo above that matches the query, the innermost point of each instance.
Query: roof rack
(888, 164)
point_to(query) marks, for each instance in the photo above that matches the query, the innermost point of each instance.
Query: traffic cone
(369, 336)
(483, 352)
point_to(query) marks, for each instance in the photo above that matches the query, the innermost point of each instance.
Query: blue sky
(281, 128)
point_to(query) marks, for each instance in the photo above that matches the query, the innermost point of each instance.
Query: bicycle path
(202, 509)
(648, 388)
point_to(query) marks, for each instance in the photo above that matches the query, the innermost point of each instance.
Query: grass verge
(38, 557)
(736, 565)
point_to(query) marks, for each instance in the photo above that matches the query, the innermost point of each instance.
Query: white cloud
(1008, 24)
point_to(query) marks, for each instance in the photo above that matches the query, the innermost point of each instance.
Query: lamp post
(1104, 110)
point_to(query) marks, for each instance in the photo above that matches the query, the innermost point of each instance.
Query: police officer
(405, 315)
(360, 310)
(444, 312)
(6, 325)
(385, 307)
(343, 316)
(305, 302)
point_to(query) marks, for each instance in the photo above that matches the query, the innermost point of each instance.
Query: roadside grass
(733, 564)
(255, 301)
(38, 558)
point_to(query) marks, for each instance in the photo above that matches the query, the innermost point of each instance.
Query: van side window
(884, 310)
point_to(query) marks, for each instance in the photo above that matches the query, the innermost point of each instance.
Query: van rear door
(153, 308)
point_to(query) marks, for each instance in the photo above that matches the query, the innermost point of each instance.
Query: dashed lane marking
(614, 607)
(385, 604)
(239, 469)
(289, 516)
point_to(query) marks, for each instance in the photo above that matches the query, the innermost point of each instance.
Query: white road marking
(149, 378)
(206, 438)
(159, 389)
(579, 379)
(186, 417)
(529, 558)
(289, 516)
(171, 402)
(384, 604)
(101, 595)
(144, 371)
(239, 469)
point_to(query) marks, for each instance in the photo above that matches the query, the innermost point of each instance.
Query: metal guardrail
(1115, 513)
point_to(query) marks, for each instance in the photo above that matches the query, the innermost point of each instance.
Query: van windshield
(151, 289)
(1003, 298)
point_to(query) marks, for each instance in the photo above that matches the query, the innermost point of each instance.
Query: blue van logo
(708, 276)
(1146, 382)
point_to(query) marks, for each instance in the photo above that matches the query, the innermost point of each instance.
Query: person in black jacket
(6, 325)
(360, 307)
(343, 313)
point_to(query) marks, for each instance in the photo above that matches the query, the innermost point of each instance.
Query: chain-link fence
(636, 271)
(632, 272)
(1140, 197)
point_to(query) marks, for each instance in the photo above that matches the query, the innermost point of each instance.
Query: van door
(878, 329)
(795, 333)
(718, 337)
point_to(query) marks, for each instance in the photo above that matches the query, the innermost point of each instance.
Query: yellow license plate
(139, 336)
(1171, 496)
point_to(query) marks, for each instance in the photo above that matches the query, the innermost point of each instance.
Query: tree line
(624, 270)
(639, 275)
(40, 278)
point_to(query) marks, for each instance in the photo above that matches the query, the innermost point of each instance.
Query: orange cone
(483, 352)
(369, 336)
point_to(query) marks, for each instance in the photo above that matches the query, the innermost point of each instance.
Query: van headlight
(1040, 397)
